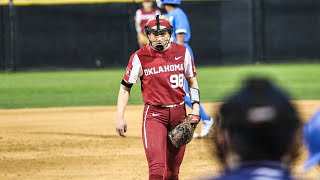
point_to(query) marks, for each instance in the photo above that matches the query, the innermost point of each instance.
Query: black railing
(103, 35)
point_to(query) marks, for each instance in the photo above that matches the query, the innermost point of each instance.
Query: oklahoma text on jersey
(161, 69)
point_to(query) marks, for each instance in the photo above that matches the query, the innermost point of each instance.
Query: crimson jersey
(161, 73)
(143, 16)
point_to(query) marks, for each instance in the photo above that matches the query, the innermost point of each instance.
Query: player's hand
(121, 126)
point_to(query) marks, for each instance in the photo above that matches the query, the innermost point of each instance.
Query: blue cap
(171, 2)
(311, 133)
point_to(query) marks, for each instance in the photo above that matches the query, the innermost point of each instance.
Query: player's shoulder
(178, 46)
(145, 51)
(268, 170)
(179, 15)
(177, 49)
(155, 10)
(178, 11)
(139, 11)
(135, 53)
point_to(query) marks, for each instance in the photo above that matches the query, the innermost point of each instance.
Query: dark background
(103, 35)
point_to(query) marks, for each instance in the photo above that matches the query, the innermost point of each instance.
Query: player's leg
(174, 160)
(206, 123)
(187, 99)
(154, 133)
(174, 155)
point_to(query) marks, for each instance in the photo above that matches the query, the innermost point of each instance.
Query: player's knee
(156, 170)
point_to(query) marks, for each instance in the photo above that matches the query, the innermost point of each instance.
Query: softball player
(161, 67)
(182, 35)
(141, 18)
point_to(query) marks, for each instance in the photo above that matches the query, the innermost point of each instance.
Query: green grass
(85, 88)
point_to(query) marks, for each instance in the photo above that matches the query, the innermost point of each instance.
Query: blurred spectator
(312, 139)
(141, 18)
(257, 133)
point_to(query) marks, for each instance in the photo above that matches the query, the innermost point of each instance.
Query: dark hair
(260, 120)
(173, 5)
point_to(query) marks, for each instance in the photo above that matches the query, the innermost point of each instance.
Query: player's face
(159, 38)
(147, 5)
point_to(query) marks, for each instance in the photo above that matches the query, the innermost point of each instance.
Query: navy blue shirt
(256, 171)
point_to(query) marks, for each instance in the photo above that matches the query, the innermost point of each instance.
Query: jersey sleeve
(158, 12)
(189, 67)
(181, 23)
(133, 70)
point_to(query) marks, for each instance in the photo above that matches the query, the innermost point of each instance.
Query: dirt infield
(81, 143)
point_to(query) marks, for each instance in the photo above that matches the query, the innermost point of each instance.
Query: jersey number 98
(176, 80)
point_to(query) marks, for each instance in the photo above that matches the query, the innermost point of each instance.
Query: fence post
(259, 34)
(2, 38)
(11, 58)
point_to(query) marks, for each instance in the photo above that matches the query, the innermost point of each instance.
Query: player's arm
(133, 71)
(123, 97)
(137, 19)
(181, 24)
(194, 94)
(190, 74)
(180, 38)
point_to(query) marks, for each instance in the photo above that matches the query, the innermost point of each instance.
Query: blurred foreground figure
(311, 133)
(257, 132)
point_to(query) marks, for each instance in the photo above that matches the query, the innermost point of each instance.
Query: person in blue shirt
(257, 134)
(182, 35)
(311, 134)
